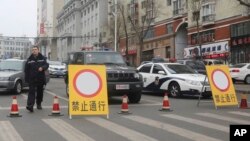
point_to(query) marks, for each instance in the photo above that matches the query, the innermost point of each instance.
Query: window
(178, 8)
(150, 33)
(157, 68)
(168, 2)
(169, 28)
(143, 4)
(145, 68)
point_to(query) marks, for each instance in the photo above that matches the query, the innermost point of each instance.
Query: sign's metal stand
(203, 87)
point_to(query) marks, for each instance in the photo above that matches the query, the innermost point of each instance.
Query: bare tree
(141, 28)
(195, 7)
(244, 2)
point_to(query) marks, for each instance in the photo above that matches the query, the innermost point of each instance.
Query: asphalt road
(185, 122)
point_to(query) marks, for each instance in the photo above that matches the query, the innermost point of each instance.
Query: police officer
(35, 75)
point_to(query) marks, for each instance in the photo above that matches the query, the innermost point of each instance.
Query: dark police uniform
(35, 78)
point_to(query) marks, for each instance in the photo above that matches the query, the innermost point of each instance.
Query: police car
(177, 79)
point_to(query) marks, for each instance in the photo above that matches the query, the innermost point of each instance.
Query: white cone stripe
(240, 113)
(165, 98)
(199, 122)
(14, 102)
(120, 130)
(8, 132)
(172, 129)
(67, 131)
(225, 118)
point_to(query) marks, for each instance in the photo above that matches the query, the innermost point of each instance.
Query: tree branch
(244, 3)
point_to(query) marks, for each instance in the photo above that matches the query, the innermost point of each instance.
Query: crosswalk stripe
(120, 130)
(8, 132)
(67, 131)
(225, 118)
(172, 129)
(199, 122)
(240, 113)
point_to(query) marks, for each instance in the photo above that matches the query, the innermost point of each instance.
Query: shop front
(240, 49)
(219, 50)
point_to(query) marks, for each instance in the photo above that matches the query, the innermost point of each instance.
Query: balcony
(204, 2)
(208, 19)
(178, 12)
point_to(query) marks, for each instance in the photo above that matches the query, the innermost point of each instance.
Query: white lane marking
(24, 96)
(199, 122)
(120, 130)
(172, 129)
(53, 94)
(67, 131)
(8, 132)
(240, 113)
(225, 118)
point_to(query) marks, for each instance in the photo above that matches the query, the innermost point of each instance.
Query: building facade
(223, 32)
(167, 34)
(46, 22)
(82, 25)
(14, 47)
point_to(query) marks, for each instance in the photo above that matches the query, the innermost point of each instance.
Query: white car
(240, 72)
(57, 68)
(177, 79)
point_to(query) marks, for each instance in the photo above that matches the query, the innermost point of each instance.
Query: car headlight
(136, 75)
(196, 83)
(4, 78)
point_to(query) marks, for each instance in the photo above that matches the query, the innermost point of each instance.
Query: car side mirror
(161, 72)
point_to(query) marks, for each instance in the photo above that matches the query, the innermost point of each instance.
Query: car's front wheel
(174, 89)
(134, 97)
(247, 79)
(18, 87)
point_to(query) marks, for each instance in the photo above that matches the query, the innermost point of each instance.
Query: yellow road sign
(221, 85)
(87, 90)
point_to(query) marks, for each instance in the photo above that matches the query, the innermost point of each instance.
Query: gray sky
(18, 17)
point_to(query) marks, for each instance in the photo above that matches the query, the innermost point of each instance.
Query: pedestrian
(35, 68)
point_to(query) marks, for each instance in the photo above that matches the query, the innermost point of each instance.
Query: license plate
(122, 87)
(208, 89)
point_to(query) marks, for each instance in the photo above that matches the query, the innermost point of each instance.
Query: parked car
(196, 65)
(240, 72)
(121, 79)
(12, 76)
(57, 68)
(177, 79)
(213, 62)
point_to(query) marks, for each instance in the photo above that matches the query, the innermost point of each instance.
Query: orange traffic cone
(124, 106)
(243, 103)
(14, 108)
(56, 108)
(166, 104)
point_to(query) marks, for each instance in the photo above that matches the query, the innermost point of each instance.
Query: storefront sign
(209, 49)
(242, 40)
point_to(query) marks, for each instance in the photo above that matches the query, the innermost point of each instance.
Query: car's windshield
(238, 66)
(179, 69)
(218, 62)
(104, 58)
(55, 63)
(198, 65)
(11, 65)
